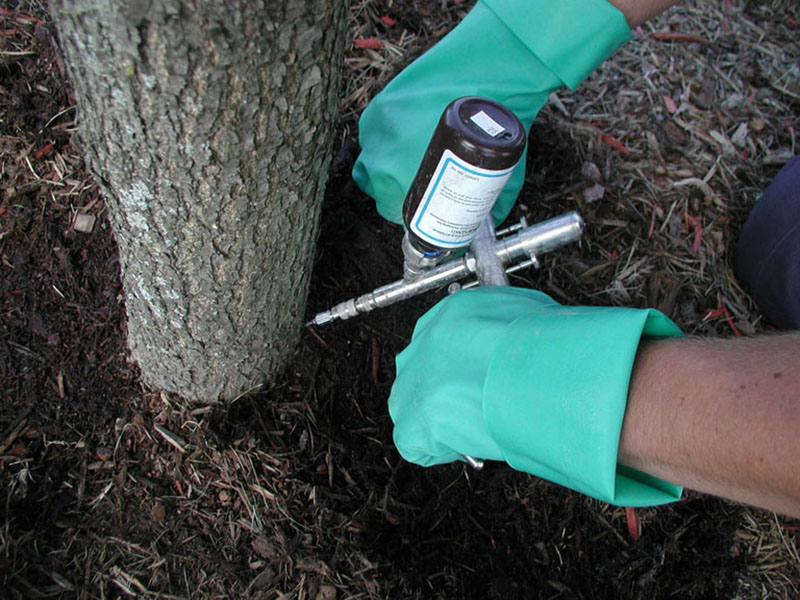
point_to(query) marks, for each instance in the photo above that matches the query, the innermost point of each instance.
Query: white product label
(456, 201)
(487, 123)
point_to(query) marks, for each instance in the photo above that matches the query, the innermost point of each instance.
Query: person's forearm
(638, 11)
(719, 416)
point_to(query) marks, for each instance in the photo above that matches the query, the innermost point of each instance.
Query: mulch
(110, 489)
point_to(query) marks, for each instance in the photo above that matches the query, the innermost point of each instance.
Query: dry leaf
(595, 192)
(158, 512)
(83, 222)
(369, 43)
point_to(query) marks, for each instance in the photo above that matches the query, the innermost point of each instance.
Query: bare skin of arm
(719, 416)
(638, 11)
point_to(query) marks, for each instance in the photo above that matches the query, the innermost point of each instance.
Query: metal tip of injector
(321, 318)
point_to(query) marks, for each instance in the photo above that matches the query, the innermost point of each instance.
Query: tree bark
(207, 125)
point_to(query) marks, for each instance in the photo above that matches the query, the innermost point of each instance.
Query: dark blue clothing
(768, 253)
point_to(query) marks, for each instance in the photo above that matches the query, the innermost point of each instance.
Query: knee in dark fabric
(768, 252)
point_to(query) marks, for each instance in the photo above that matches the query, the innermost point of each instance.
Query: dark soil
(295, 492)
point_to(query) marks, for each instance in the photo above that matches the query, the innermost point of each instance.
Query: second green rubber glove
(508, 374)
(513, 51)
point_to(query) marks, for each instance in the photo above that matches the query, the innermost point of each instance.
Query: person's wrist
(638, 11)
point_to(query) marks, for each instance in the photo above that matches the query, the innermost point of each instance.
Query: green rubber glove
(509, 374)
(514, 51)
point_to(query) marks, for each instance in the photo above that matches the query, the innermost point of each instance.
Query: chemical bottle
(474, 148)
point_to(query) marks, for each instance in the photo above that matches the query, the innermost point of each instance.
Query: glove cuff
(557, 411)
(571, 37)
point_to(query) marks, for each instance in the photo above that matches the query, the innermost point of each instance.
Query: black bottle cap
(483, 132)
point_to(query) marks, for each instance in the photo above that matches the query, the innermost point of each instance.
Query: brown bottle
(470, 157)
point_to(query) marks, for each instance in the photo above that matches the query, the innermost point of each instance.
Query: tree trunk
(207, 125)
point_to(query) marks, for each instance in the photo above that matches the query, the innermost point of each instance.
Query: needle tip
(321, 318)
